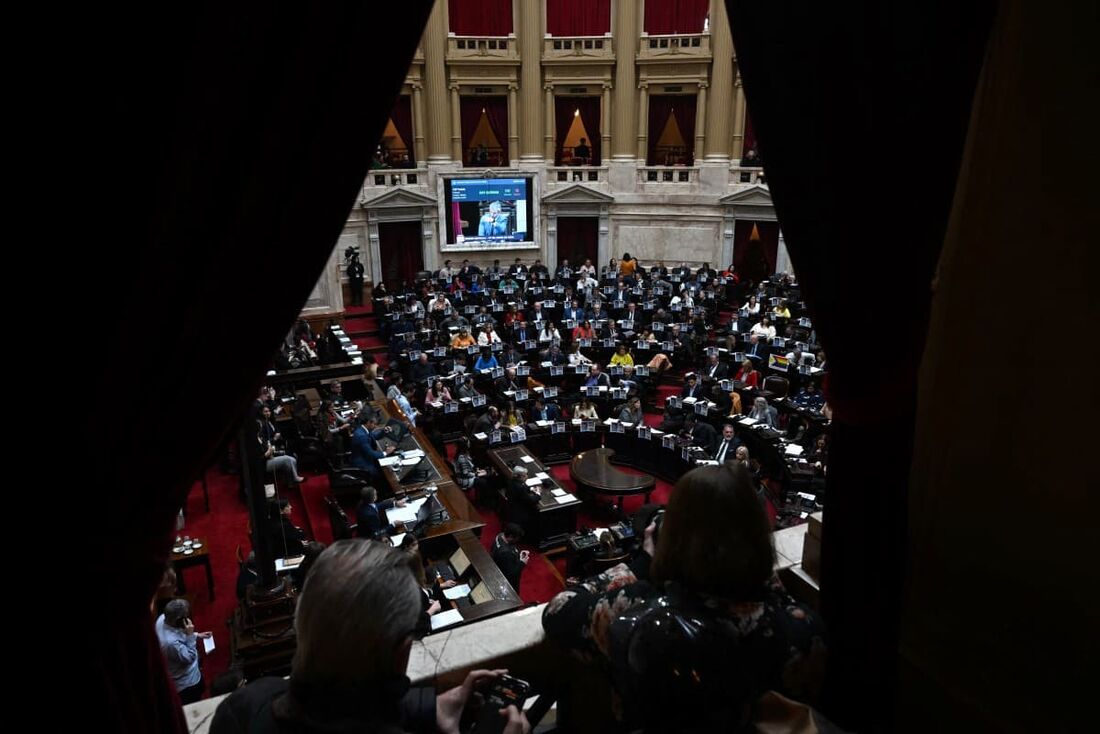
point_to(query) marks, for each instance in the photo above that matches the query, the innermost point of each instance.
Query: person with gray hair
(356, 620)
(523, 501)
(179, 643)
(764, 413)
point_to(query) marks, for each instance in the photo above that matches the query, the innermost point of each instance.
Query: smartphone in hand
(503, 692)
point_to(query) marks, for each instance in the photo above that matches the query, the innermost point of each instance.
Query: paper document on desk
(208, 644)
(533, 482)
(481, 436)
(557, 492)
(446, 619)
(527, 459)
(747, 421)
(562, 499)
(396, 539)
(689, 401)
(457, 592)
(406, 513)
(414, 454)
(542, 424)
(609, 421)
(389, 460)
(285, 564)
(542, 475)
(793, 449)
(410, 461)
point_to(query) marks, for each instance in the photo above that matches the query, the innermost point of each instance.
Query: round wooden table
(593, 470)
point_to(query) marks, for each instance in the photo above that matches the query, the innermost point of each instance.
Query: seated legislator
(368, 514)
(585, 410)
(523, 501)
(747, 375)
(764, 413)
(365, 452)
(622, 357)
(702, 588)
(506, 553)
(348, 676)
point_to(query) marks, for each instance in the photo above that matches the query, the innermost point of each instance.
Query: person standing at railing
(582, 153)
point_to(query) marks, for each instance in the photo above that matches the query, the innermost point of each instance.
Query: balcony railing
(578, 48)
(576, 174)
(389, 177)
(668, 175)
(476, 48)
(753, 175)
(692, 46)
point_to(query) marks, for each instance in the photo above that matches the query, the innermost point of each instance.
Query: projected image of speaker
(483, 213)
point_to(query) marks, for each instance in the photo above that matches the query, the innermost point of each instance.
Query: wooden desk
(554, 518)
(461, 512)
(198, 557)
(593, 469)
(505, 598)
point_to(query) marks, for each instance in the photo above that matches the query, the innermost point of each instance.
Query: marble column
(551, 133)
(738, 118)
(700, 121)
(625, 30)
(721, 84)
(513, 124)
(456, 125)
(435, 85)
(530, 80)
(605, 123)
(643, 120)
(419, 151)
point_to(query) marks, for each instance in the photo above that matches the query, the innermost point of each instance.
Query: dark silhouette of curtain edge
(566, 18)
(401, 116)
(227, 149)
(480, 17)
(832, 88)
(666, 17)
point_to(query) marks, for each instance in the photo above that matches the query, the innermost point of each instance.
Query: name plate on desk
(592, 391)
(451, 407)
(522, 370)
(549, 304)
(645, 433)
(570, 324)
(668, 442)
(616, 369)
(617, 304)
(702, 407)
(712, 351)
(395, 317)
(738, 357)
(550, 392)
(518, 435)
(674, 401)
(804, 322)
(585, 342)
(779, 341)
(558, 427)
(608, 343)
(559, 289)
(668, 346)
(478, 401)
(641, 344)
(521, 395)
(530, 344)
(641, 370)
(440, 351)
(496, 372)
(498, 308)
(616, 427)
(675, 308)
(580, 369)
(726, 385)
(472, 349)
(685, 453)
(658, 326)
(470, 309)
(414, 354)
(508, 291)
(556, 371)
(588, 426)
(618, 393)
(494, 437)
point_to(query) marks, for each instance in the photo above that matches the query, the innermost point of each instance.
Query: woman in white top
(487, 336)
(585, 410)
(587, 269)
(684, 299)
(575, 356)
(549, 332)
(753, 306)
(764, 328)
(586, 282)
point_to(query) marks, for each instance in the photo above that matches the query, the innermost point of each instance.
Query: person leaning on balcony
(582, 153)
(350, 676)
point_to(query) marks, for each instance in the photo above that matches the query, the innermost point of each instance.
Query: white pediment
(752, 196)
(577, 194)
(398, 198)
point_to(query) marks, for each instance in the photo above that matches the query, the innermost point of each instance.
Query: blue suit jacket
(364, 450)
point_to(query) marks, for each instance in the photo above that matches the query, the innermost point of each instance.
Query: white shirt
(485, 339)
(760, 330)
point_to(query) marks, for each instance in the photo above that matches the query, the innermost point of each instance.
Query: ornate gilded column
(605, 123)
(419, 150)
(738, 118)
(530, 80)
(551, 133)
(456, 126)
(643, 120)
(435, 86)
(700, 121)
(513, 124)
(625, 30)
(721, 85)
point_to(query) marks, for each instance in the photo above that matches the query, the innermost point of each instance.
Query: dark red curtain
(578, 17)
(401, 115)
(228, 155)
(755, 259)
(749, 141)
(807, 117)
(564, 109)
(661, 107)
(664, 17)
(496, 110)
(401, 251)
(578, 238)
(480, 17)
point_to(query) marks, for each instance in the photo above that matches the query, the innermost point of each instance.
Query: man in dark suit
(727, 445)
(521, 332)
(523, 503)
(488, 422)
(365, 452)
(422, 369)
(691, 388)
(506, 553)
(509, 382)
(701, 434)
(540, 269)
(596, 377)
(564, 272)
(756, 350)
(573, 312)
(517, 267)
(545, 411)
(555, 356)
(368, 515)
(715, 370)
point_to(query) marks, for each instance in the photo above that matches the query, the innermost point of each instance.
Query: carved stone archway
(401, 205)
(754, 203)
(577, 201)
